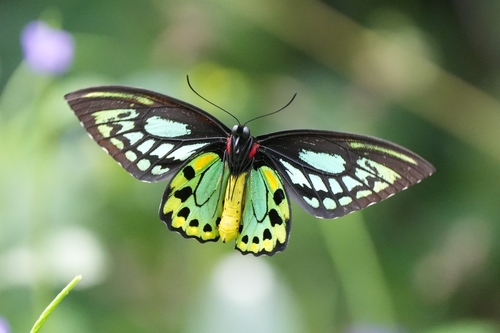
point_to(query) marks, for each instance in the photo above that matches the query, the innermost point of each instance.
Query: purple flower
(47, 50)
(4, 326)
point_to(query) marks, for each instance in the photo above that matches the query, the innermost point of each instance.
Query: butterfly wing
(192, 203)
(331, 174)
(266, 217)
(149, 134)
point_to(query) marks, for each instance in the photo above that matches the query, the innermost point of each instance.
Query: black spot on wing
(184, 212)
(278, 196)
(267, 234)
(188, 172)
(183, 194)
(275, 218)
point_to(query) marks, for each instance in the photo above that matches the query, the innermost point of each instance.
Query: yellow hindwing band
(271, 179)
(202, 161)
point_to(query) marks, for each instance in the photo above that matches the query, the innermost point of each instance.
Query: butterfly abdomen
(233, 207)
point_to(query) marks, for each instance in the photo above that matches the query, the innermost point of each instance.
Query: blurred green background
(423, 74)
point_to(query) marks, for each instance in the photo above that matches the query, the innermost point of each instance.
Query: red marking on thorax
(253, 151)
(228, 145)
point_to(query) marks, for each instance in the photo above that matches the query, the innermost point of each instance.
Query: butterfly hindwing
(331, 174)
(266, 216)
(149, 134)
(192, 203)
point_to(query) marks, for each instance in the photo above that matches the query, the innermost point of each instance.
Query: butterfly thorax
(240, 150)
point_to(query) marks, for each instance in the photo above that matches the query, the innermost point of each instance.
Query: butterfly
(226, 184)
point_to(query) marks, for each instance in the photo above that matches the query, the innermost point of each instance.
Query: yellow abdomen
(233, 207)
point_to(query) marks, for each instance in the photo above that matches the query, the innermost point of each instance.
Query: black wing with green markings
(149, 134)
(331, 174)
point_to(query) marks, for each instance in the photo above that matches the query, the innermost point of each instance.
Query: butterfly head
(240, 131)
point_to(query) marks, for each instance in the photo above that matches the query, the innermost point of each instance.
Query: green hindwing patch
(192, 203)
(266, 216)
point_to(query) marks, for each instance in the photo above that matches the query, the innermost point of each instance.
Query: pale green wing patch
(266, 216)
(192, 203)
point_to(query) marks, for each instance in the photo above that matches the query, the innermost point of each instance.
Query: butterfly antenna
(206, 100)
(271, 113)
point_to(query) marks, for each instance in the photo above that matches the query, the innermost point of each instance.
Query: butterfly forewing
(192, 203)
(331, 174)
(266, 216)
(149, 134)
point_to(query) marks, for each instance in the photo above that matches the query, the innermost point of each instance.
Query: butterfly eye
(240, 131)
(245, 133)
